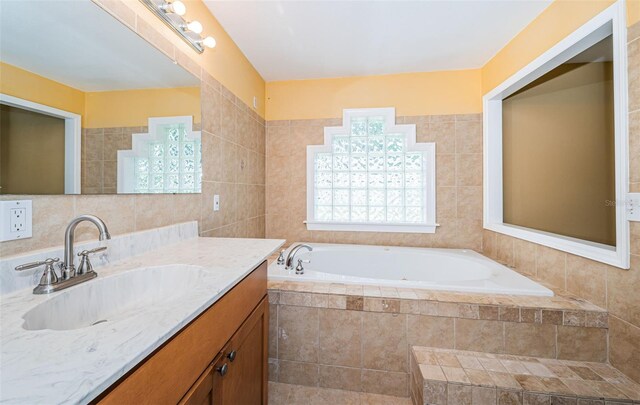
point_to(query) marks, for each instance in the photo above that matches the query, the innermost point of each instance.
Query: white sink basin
(114, 297)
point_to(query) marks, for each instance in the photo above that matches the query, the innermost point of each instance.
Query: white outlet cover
(633, 207)
(6, 233)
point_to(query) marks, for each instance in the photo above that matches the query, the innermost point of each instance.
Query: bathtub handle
(299, 268)
(281, 257)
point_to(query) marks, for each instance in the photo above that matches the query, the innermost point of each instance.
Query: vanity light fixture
(171, 13)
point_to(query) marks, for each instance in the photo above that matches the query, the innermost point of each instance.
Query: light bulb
(178, 7)
(194, 26)
(209, 42)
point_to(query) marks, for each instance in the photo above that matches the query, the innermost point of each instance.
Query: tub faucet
(292, 253)
(67, 266)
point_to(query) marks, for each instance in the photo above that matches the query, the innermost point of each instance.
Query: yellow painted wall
(448, 92)
(132, 108)
(560, 19)
(125, 108)
(445, 92)
(226, 62)
(414, 93)
(20, 83)
(633, 12)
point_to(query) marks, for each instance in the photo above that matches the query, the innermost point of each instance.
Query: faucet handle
(92, 251)
(85, 263)
(33, 265)
(299, 268)
(281, 257)
(49, 277)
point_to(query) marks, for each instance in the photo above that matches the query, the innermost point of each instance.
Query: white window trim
(584, 37)
(126, 182)
(72, 138)
(409, 130)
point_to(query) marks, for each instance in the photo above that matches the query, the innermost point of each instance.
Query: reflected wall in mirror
(558, 140)
(89, 107)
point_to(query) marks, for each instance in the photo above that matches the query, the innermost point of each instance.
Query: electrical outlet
(216, 202)
(15, 220)
(633, 206)
(17, 217)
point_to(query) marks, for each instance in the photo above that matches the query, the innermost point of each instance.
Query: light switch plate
(633, 207)
(15, 220)
(216, 202)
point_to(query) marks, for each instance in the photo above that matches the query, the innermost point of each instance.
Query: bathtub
(434, 269)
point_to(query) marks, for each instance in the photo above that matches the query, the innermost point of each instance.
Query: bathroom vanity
(176, 321)
(220, 357)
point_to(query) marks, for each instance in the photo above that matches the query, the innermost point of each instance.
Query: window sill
(366, 227)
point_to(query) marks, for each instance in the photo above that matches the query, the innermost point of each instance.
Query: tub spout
(292, 254)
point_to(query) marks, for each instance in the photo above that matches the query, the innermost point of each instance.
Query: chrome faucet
(67, 266)
(292, 253)
(50, 282)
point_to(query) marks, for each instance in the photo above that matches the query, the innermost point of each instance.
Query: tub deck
(359, 337)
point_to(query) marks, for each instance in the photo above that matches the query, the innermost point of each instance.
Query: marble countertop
(75, 366)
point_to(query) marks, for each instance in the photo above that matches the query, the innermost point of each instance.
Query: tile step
(445, 376)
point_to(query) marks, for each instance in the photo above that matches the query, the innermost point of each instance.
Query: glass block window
(168, 159)
(173, 163)
(371, 172)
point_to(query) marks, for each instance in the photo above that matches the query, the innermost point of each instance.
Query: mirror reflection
(89, 107)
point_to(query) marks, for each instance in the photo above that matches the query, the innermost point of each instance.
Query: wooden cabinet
(220, 358)
(240, 376)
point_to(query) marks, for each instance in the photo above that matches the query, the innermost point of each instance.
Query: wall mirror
(89, 107)
(564, 118)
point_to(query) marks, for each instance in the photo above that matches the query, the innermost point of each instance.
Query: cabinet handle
(232, 356)
(223, 369)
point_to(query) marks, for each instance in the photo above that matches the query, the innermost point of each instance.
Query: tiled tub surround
(459, 209)
(453, 377)
(458, 140)
(74, 366)
(458, 270)
(233, 145)
(358, 338)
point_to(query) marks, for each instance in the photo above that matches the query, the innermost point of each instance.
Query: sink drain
(97, 322)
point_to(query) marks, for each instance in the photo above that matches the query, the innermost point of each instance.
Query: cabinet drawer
(166, 375)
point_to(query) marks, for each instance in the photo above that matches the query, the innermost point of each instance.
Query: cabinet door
(202, 391)
(244, 380)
